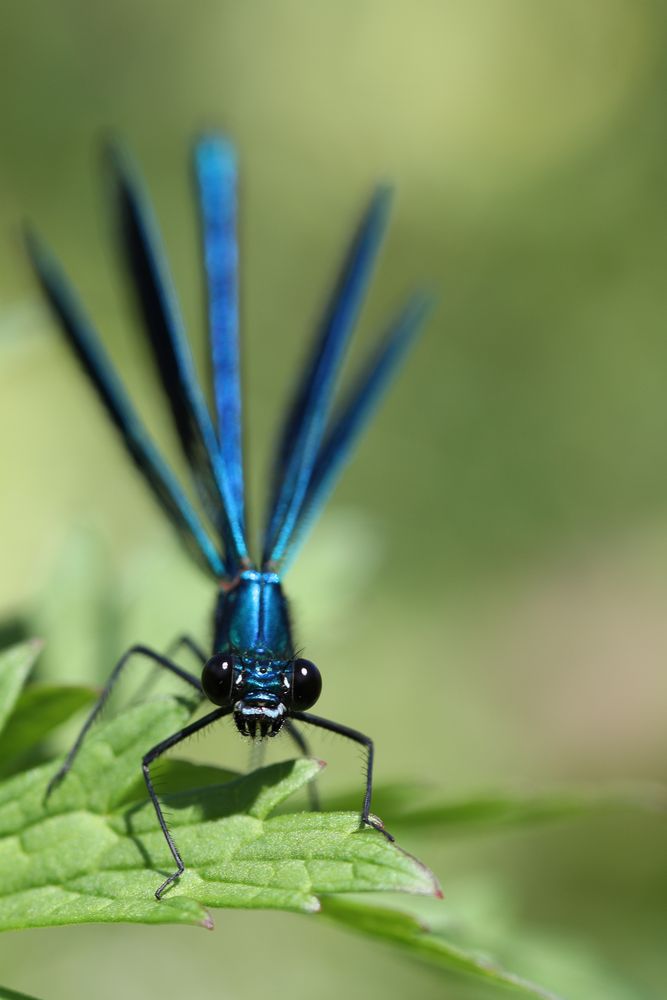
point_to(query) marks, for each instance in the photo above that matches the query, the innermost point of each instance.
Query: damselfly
(254, 672)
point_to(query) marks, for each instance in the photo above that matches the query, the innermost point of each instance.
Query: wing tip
(214, 153)
(116, 156)
(30, 238)
(380, 205)
(420, 306)
(39, 254)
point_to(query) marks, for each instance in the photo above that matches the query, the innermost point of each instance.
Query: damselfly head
(254, 683)
(262, 689)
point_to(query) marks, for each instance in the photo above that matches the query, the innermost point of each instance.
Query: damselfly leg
(187, 642)
(148, 759)
(367, 743)
(145, 651)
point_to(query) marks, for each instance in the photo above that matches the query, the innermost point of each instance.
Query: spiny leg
(137, 650)
(367, 743)
(182, 641)
(304, 748)
(148, 759)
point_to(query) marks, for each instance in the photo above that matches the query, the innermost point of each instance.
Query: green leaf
(89, 855)
(417, 939)
(15, 665)
(39, 710)
(12, 995)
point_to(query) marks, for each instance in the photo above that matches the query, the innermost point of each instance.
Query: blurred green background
(486, 594)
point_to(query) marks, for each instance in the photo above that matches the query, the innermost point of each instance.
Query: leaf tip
(426, 882)
(430, 886)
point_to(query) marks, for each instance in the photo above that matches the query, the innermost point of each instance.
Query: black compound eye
(217, 679)
(306, 684)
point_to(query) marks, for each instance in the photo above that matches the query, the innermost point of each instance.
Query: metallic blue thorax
(252, 620)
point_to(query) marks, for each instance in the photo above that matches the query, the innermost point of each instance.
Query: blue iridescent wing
(355, 413)
(86, 345)
(216, 176)
(304, 427)
(148, 270)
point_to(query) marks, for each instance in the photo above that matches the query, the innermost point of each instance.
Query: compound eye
(217, 680)
(306, 684)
